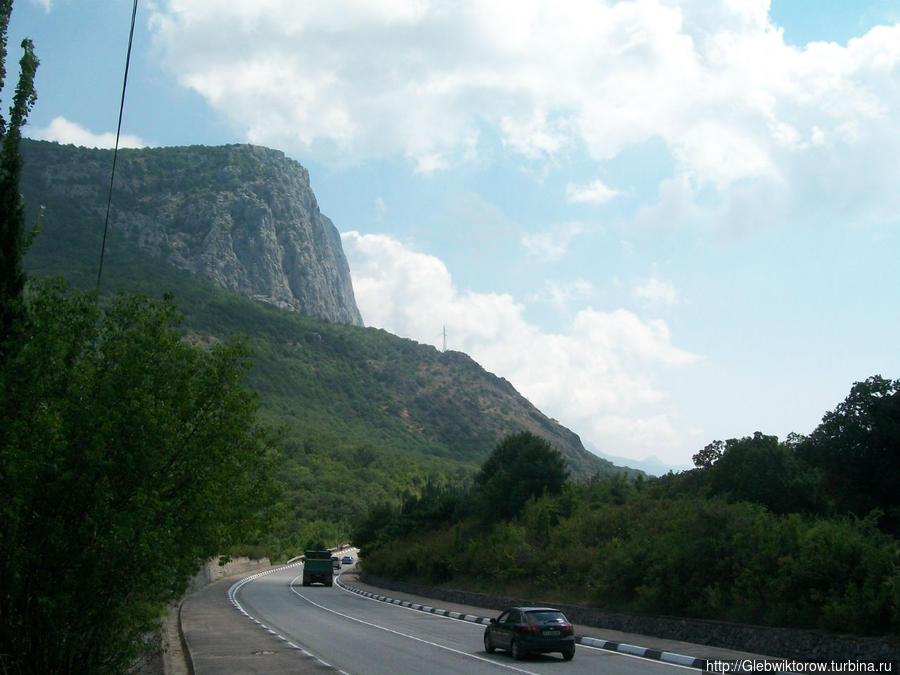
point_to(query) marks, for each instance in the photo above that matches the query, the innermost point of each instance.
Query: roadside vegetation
(128, 454)
(796, 533)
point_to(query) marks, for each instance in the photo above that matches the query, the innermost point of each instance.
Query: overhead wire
(112, 174)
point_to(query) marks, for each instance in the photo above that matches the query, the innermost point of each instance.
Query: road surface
(356, 634)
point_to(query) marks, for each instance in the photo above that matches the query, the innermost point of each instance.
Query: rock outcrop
(242, 216)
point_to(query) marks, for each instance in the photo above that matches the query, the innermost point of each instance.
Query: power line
(112, 174)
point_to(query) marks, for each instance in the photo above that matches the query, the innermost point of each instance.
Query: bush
(128, 456)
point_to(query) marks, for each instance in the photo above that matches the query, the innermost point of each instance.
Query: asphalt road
(356, 634)
(269, 623)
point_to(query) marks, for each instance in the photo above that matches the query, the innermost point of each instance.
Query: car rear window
(545, 617)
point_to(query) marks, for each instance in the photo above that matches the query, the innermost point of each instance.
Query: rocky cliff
(242, 216)
(245, 218)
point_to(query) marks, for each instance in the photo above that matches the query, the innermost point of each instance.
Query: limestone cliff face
(245, 218)
(242, 216)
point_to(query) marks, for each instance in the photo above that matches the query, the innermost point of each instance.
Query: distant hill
(652, 465)
(367, 413)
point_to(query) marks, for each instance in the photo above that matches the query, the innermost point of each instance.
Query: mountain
(652, 465)
(368, 414)
(241, 216)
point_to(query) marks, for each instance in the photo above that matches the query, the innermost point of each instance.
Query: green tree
(13, 238)
(709, 455)
(857, 447)
(520, 467)
(762, 470)
(127, 457)
(379, 523)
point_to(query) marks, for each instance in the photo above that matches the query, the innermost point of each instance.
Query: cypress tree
(14, 240)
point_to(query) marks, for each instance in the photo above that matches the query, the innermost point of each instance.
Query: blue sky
(666, 222)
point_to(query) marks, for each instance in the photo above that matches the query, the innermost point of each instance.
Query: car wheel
(516, 651)
(568, 653)
(488, 644)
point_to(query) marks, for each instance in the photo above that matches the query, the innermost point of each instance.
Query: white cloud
(430, 162)
(656, 292)
(47, 5)
(553, 244)
(380, 209)
(535, 137)
(562, 295)
(597, 375)
(596, 192)
(675, 206)
(63, 131)
(738, 108)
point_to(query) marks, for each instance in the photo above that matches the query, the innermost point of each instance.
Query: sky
(665, 222)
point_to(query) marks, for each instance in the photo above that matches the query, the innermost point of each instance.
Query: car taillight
(567, 627)
(529, 628)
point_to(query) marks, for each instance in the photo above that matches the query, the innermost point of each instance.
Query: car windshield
(545, 616)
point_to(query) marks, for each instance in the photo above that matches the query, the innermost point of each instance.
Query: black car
(529, 630)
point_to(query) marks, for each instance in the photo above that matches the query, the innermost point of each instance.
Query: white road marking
(408, 636)
(413, 607)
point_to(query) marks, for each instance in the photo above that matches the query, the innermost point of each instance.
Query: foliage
(709, 455)
(520, 467)
(13, 238)
(129, 456)
(689, 556)
(434, 508)
(754, 534)
(857, 449)
(760, 469)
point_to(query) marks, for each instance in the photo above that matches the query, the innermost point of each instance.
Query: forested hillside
(366, 415)
(801, 532)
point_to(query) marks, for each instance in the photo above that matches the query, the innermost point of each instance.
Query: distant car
(347, 560)
(531, 630)
(335, 562)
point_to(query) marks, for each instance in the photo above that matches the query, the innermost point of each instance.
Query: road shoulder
(219, 639)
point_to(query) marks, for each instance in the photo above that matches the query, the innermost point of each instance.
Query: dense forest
(801, 532)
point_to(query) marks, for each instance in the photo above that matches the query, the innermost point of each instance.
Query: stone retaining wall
(213, 571)
(790, 643)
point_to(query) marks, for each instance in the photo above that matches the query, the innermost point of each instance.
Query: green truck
(317, 567)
